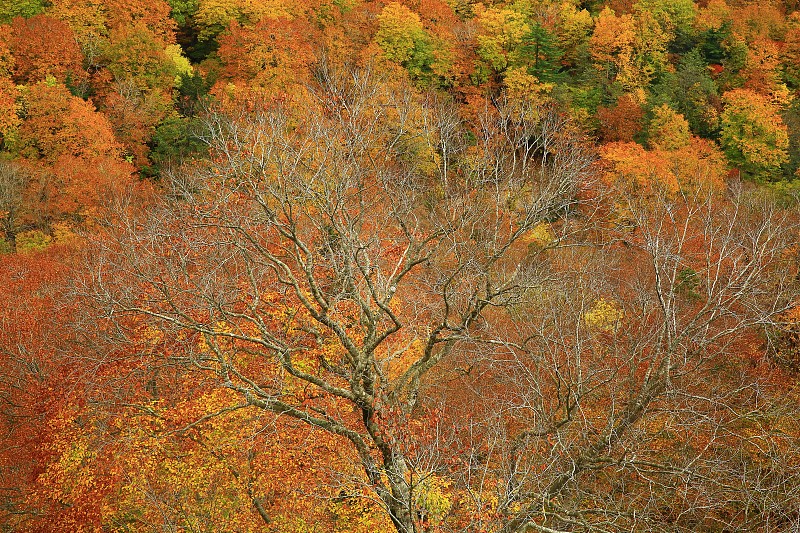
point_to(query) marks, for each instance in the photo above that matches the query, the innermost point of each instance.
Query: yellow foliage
(87, 19)
(255, 10)
(214, 16)
(765, 70)
(433, 497)
(501, 32)
(712, 16)
(574, 27)
(524, 87)
(399, 29)
(752, 131)
(403, 358)
(33, 241)
(612, 39)
(604, 315)
(632, 48)
(182, 64)
(63, 233)
(539, 236)
(668, 129)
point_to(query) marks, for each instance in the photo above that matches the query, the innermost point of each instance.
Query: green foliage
(400, 33)
(193, 91)
(687, 283)
(712, 43)
(692, 92)
(572, 31)
(213, 16)
(753, 135)
(9, 9)
(672, 15)
(542, 53)
(586, 96)
(175, 140)
(791, 117)
(735, 60)
(183, 10)
(32, 241)
(403, 40)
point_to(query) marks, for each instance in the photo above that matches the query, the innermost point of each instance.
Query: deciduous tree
(13, 181)
(622, 122)
(315, 270)
(44, 46)
(10, 9)
(668, 130)
(404, 40)
(330, 239)
(753, 135)
(73, 156)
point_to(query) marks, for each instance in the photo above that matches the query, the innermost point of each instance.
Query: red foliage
(35, 378)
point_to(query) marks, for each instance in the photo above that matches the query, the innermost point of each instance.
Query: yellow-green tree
(753, 135)
(668, 129)
(403, 39)
(500, 38)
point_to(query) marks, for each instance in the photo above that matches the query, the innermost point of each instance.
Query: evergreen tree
(542, 53)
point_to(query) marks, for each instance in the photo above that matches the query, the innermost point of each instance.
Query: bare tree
(367, 248)
(320, 226)
(635, 394)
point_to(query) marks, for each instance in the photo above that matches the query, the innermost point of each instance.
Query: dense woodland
(413, 266)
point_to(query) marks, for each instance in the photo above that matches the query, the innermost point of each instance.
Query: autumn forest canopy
(420, 266)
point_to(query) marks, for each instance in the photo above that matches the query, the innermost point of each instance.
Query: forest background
(430, 265)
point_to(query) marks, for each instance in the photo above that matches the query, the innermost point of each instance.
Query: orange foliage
(134, 115)
(698, 164)
(150, 14)
(45, 46)
(8, 93)
(167, 445)
(9, 119)
(275, 53)
(74, 151)
(57, 123)
(763, 73)
(81, 186)
(35, 384)
(621, 122)
(756, 20)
